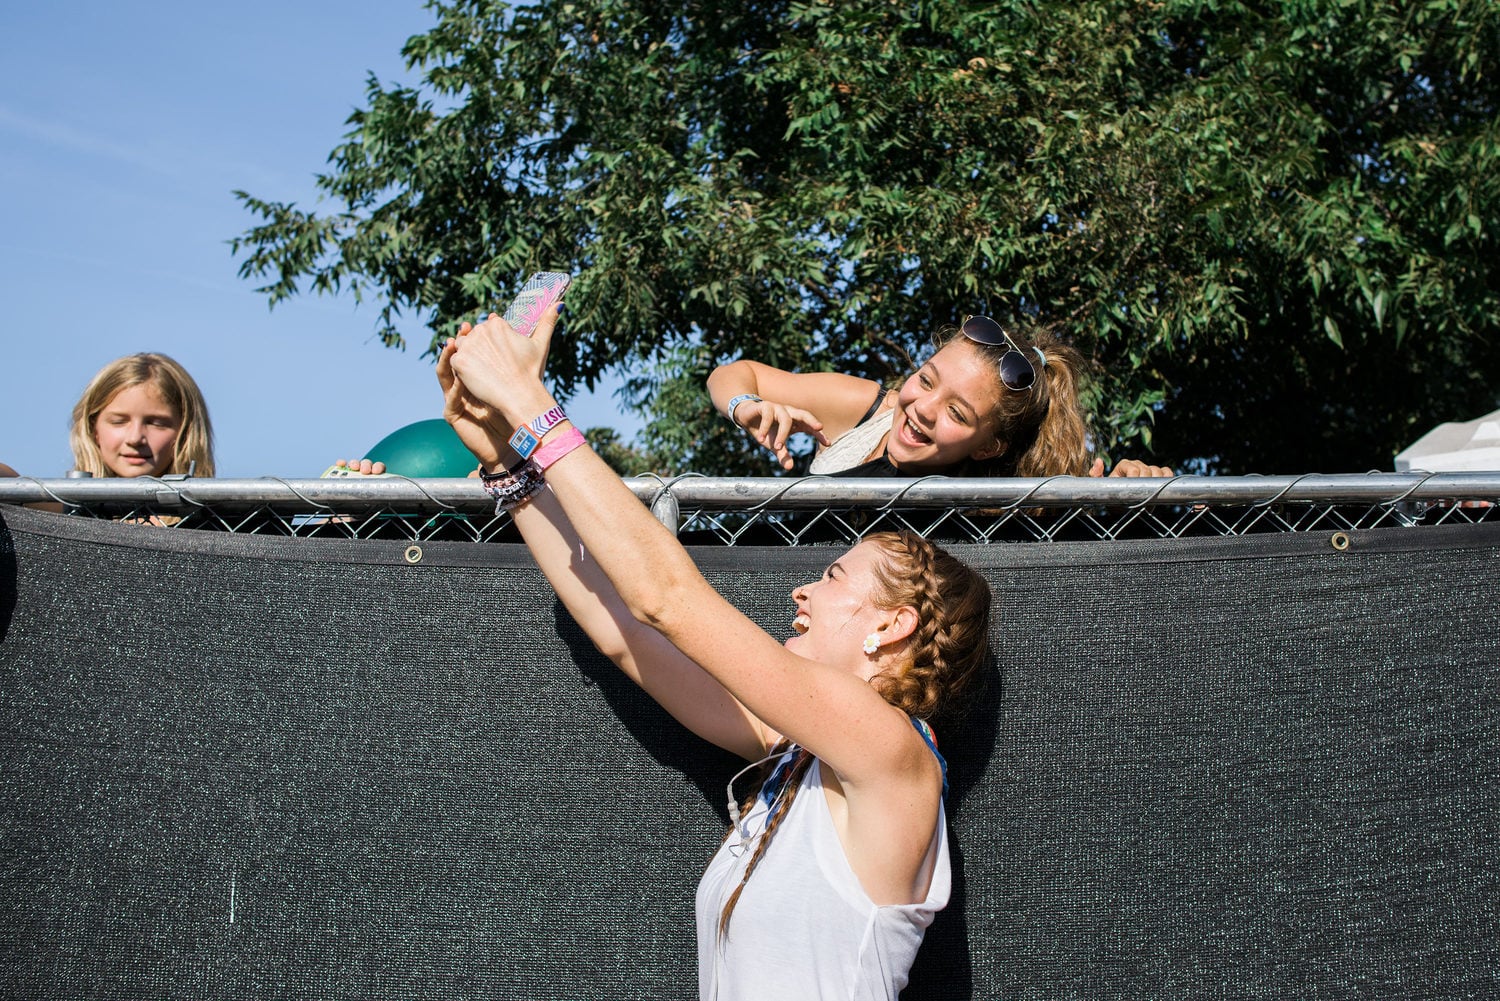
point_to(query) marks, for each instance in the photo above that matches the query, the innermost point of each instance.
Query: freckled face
(943, 412)
(835, 612)
(137, 432)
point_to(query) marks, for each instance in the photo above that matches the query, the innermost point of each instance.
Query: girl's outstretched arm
(679, 685)
(887, 784)
(829, 710)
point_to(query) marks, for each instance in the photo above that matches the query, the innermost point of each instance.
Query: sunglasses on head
(1016, 370)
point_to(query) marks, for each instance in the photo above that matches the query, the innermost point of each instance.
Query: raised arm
(828, 710)
(822, 404)
(680, 686)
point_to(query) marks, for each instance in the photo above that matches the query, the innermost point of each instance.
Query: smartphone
(540, 292)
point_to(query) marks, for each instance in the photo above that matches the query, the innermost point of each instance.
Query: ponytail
(1059, 446)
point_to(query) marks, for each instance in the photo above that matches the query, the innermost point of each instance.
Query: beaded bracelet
(514, 486)
(526, 486)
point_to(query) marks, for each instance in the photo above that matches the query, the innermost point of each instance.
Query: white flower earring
(872, 644)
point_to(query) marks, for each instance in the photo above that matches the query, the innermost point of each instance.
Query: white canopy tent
(1455, 447)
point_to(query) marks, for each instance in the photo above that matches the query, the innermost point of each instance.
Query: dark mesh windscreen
(268, 768)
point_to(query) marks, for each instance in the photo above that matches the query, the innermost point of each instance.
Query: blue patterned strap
(931, 739)
(771, 787)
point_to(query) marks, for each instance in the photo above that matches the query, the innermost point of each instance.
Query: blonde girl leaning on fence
(834, 867)
(141, 415)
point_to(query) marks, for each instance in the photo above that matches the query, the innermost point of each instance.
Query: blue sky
(123, 129)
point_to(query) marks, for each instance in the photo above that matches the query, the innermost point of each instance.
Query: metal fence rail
(802, 511)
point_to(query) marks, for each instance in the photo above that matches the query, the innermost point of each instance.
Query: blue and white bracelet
(734, 403)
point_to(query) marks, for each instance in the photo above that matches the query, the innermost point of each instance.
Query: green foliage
(1274, 226)
(625, 459)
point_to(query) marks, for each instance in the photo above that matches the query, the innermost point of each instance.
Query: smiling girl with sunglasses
(989, 402)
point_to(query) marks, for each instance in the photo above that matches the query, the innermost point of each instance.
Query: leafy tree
(618, 455)
(1273, 225)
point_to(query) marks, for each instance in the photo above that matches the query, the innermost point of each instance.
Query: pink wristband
(558, 447)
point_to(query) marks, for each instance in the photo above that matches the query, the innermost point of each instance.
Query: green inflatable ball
(425, 449)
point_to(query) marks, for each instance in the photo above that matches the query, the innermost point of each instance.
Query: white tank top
(850, 448)
(804, 928)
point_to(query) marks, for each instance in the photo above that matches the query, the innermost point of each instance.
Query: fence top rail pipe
(351, 495)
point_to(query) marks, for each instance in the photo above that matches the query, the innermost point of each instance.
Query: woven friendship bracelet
(529, 435)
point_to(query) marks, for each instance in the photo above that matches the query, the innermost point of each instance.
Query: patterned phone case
(540, 291)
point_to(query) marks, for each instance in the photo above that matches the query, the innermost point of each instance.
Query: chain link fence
(800, 511)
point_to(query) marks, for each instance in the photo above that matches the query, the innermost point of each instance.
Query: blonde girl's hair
(194, 449)
(1044, 429)
(947, 651)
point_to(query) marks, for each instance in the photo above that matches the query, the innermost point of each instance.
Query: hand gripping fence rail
(808, 510)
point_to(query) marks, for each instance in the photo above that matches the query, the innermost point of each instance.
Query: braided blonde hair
(793, 782)
(953, 614)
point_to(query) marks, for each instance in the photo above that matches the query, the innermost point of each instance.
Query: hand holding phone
(541, 291)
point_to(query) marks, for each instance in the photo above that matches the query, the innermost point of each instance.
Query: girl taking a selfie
(837, 859)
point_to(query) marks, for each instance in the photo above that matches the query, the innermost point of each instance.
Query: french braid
(953, 609)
